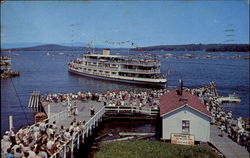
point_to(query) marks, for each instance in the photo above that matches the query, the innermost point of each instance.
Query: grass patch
(152, 149)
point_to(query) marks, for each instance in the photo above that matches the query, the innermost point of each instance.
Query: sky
(119, 23)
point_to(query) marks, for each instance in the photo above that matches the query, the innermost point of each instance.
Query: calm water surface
(49, 74)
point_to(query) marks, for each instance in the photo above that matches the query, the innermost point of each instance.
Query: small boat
(232, 98)
(207, 56)
(190, 55)
(168, 55)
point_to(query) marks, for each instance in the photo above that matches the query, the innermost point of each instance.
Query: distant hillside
(48, 47)
(201, 47)
(188, 47)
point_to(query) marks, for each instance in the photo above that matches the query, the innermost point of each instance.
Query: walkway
(226, 146)
(83, 111)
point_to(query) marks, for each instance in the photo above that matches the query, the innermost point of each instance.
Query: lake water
(49, 74)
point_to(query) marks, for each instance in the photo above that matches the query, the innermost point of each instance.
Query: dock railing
(68, 147)
(78, 138)
(132, 109)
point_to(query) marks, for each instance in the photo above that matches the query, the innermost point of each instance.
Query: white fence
(78, 138)
(132, 109)
(69, 146)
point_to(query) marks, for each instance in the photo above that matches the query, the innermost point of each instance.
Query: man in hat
(12, 136)
(5, 143)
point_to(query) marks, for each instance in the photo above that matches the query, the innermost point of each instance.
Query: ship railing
(131, 62)
(150, 63)
(141, 71)
(99, 67)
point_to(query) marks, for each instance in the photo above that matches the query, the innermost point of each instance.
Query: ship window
(84, 69)
(185, 126)
(100, 71)
(89, 69)
(114, 73)
(106, 72)
(94, 70)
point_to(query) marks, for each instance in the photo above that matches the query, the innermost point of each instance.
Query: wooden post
(32, 101)
(65, 151)
(83, 137)
(72, 147)
(48, 111)
(78, 141)
(37, 100)
(29, 105)
(10, 121)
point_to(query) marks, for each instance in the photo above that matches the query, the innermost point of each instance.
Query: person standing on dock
(42, 128)
(12, 136)
(69, 110)
(92, 111)
(5, 143)
(36, 131)
(222, 128)
(69, 107)
(75, 109)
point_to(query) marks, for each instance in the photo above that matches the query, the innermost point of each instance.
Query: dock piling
(10, 121)
(48, 111)
(34, 101)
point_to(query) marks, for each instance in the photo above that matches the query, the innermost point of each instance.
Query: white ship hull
(146, 81)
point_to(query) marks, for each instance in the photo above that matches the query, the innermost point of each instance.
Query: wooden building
(183, 115)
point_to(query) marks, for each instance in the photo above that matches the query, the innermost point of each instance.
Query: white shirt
(49, 144)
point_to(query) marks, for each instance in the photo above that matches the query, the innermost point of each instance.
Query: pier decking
(60, 111)
(226, 146)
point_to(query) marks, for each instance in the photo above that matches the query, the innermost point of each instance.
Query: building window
(185, 126)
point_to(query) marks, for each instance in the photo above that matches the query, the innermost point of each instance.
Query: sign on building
(184, 139)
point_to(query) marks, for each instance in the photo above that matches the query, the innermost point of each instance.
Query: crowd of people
(237, 129)
(44, 139)
(116, 98)
(38, 141)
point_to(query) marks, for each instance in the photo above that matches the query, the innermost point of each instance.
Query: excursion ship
(118, 68)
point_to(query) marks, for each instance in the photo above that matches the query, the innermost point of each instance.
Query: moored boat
(232, 98)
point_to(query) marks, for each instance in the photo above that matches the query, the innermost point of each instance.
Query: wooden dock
(59, 112)
(225, 145)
